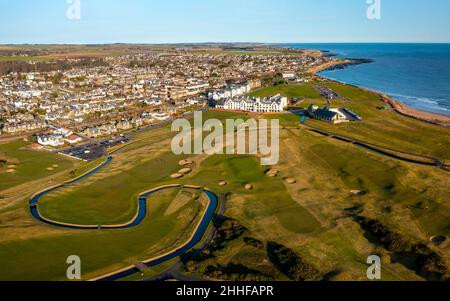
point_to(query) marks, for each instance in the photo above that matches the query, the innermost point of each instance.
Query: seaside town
(212, 149)
(114, 95)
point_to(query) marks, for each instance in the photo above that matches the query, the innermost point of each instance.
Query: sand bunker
(273, 173)
(11, 171)
(185, 171)
(358, 192)
(185, 162)
(249, 186)
(223, 183)
(291, 180)
(438, 240)
(49, 168)
(176, 176)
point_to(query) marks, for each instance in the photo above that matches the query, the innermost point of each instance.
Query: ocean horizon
(415, 74)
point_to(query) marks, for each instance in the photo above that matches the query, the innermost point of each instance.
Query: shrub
(254, 243)
(291, 264)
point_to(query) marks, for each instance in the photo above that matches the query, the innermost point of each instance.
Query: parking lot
(95, 150)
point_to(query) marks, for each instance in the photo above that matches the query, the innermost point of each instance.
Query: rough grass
(307, 217)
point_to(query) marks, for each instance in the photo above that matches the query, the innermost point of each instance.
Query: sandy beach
(405, 110)
(398, 106)
(328, 65)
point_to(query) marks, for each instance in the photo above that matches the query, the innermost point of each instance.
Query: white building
(230, 91)
(161, 116)
(275, 103)
(50, 140)
(73, 139)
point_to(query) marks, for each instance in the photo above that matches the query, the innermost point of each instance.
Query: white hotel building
(275, 103)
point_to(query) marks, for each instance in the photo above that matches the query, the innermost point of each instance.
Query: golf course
(313, 204)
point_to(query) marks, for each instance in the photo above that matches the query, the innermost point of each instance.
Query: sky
(189, 21)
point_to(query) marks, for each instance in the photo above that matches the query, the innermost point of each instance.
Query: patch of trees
(235, 272)
(416, 256)
(253, 242)
(17, 52)
(142, 64)
(391, 241)
(227, 230)
(290, 263)
(22, 67)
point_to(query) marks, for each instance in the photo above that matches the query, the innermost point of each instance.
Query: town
(97, 98)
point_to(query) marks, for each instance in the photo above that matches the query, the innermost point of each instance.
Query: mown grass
(29, 165)
(100, 251)
(385, 128)
(291, 91)
(357, 170)
(105, 199)
(307, 217)
(268, 197)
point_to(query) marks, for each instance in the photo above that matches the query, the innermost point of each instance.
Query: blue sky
(175, 21)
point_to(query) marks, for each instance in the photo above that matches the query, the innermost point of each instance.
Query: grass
(100, 251)
(29, 165)
(357, 170)
(385, 128)
(25, 58)
(268, 198)
(106, 198)
(76, 53)
(290, 91)
(308, 216)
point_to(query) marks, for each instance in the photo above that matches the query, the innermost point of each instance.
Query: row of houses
(234, 90)
(22, 127)
(275, 103)
(124, 124)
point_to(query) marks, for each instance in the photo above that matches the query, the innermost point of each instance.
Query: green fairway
(110, 196)
(309, 216)
(357, 170)
(100, 251)
(268, 198)
(22, 166)
(385, 128)
(291, 91)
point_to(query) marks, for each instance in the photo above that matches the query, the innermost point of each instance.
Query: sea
(415, 74)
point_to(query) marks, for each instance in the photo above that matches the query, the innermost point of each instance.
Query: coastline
(398, 106)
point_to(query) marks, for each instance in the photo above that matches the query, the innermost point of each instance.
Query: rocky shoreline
(349, 62)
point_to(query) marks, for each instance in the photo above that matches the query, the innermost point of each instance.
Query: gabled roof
(325, 113)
